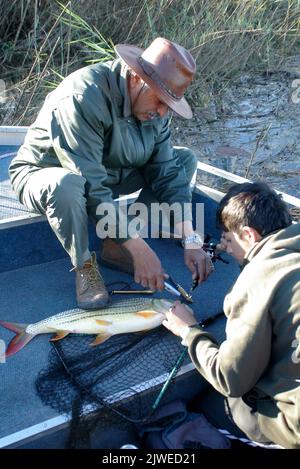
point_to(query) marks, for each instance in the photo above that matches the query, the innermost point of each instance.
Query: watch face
(194, 238)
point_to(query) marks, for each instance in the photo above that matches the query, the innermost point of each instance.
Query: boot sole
(93, 308)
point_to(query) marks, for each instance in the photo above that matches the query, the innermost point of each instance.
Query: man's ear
(134, 80)
(251, 235)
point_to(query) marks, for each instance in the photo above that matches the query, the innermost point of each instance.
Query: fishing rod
(202, 323)
(102, 402)
(209, 247)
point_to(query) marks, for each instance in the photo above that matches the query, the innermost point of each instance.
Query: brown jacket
(261, 353)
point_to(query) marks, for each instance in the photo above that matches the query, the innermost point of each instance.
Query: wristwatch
(193, 238)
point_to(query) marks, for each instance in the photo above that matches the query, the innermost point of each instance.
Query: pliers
(173, 287)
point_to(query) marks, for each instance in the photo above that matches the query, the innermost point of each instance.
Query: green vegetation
(43, 41)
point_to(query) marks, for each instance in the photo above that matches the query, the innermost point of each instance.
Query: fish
(123, 316)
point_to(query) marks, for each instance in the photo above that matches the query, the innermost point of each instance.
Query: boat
(36, 283)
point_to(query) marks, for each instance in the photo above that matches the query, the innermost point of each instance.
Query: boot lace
(91, 276)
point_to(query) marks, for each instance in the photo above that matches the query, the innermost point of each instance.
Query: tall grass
(43, 40)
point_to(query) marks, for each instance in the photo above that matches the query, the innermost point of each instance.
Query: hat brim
(130, 54)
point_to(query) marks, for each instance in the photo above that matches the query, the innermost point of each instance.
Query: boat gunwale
(17, 134)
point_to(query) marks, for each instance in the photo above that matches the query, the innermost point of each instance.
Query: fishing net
(120, 382)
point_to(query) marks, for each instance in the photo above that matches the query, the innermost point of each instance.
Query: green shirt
(86, 126)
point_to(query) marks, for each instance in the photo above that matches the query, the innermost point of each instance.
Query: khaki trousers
(60, 195)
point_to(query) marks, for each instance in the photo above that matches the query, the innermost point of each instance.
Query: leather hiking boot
(114, 256)
(90, 288)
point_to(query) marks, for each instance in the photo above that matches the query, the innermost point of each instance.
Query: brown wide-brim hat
(166, 67)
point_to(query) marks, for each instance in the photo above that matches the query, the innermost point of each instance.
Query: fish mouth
(161, 305)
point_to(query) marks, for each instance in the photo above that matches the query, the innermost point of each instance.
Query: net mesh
(117, 382)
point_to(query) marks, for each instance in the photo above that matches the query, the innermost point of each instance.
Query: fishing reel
(213, 250)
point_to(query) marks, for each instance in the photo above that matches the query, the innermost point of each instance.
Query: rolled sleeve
(235, 366)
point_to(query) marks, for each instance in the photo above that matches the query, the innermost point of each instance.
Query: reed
(42, 41)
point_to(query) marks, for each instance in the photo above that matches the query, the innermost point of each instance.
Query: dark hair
(255, 205)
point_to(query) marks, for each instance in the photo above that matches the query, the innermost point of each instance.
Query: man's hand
(198, 262)
(179, 317)
(148, 270)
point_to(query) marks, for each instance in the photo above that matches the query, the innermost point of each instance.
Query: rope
(249, 442)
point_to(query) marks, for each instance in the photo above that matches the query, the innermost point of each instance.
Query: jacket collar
(124, 90)
(258, 246)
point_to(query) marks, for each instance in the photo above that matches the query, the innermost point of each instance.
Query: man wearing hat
(104, 131)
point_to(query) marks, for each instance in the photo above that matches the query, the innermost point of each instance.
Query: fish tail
(21, 338)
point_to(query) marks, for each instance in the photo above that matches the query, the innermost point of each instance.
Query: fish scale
(124, 316)
(73, 315)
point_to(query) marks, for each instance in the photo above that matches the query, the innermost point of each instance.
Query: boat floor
(31, 293)
(36, 283)
(10, 207)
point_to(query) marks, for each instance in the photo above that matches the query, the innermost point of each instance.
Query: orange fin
(100, 339)
(146, 314)
(102, 322)
(19, 340)
(59, 335)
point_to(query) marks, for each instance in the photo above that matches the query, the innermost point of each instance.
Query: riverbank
(252, 129)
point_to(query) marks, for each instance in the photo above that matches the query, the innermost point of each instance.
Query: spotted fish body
(124, 316)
